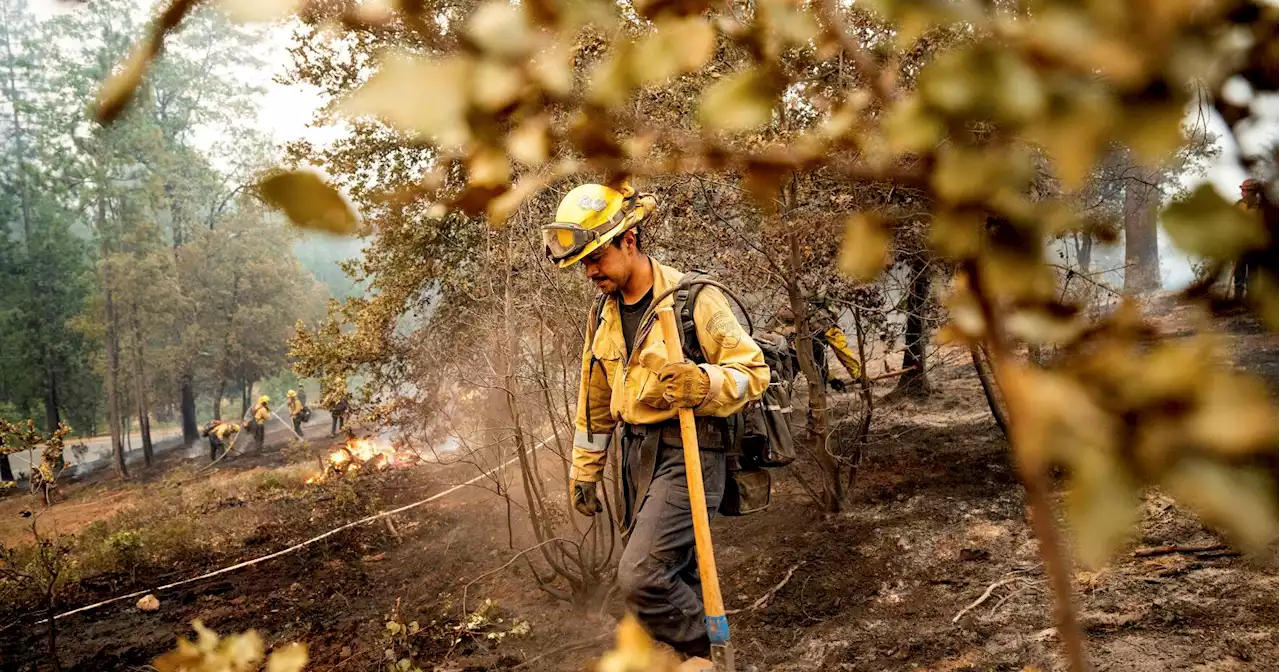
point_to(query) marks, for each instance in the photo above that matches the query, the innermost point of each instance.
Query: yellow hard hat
(291, 394)
(264, 399)
(591, 215)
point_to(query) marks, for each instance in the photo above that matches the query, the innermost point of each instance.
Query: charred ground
(939, 519)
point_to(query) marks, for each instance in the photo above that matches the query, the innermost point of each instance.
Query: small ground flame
(360, 455)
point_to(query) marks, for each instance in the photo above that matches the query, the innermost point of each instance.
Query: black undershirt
(631, 314)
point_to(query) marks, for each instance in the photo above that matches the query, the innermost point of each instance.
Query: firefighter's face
(609, 266)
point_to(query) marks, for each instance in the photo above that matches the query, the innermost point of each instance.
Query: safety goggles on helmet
(565, 239)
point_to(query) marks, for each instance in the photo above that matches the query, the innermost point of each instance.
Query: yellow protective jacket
(261, 414)
(613, 388)
(295, 407)
(225, 431)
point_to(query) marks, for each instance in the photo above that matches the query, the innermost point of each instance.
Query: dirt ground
(938, 521)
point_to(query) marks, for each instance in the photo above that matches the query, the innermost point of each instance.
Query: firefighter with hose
(296, 411)
(258, 422)
(632, 388)
(220, 435)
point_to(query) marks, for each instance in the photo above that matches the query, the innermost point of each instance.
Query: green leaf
(309, 202)
(1205, 224)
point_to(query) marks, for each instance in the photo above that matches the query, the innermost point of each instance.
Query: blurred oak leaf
(502, 29)
(1204, 224)
(260, 11)
(308, 201)
(119, 88)
(530, 143)
(418, 95)
(1239, 499)
(865, 245)
(495, 85)
(289, 658)
(679, 46)
(1101, 505)
(740, 102)
(1235, 416)
(634, 651)
(552, 69)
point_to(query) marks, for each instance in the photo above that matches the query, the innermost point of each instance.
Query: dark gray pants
(658, 574)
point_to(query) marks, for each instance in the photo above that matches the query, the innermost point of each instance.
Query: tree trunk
(190, 433)
(140, 385)
(217, 398)
(112, 342)
(51, 416)
(916, 381)
(1084, 251)
(245, 387)
(1141, 248)
(6, 469)
(834, 493)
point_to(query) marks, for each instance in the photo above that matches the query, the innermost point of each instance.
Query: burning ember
(362, 454)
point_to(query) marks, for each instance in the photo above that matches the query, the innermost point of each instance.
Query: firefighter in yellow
(261, 413)
(826, 332)
(295, 411)
(1250, 199)
(629, 388)
(335, 400)
(221, 435)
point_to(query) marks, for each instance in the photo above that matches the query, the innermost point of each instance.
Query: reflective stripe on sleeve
(596, 443)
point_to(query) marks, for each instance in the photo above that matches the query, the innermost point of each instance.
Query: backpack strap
(684, 301)
(593, 323)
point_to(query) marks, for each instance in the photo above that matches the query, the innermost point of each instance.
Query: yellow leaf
(496, 85)
(529, 143)
(260, 11)
(119, 88)
(611, 77)
(790, 22)
(1205, 225)
(1236, 416)
(866, 242)
(552, 68)
(909, 127)
(1038, 324)
(501, 29)
(679, 46)
(1054, 419)
(503, 207)
(309, 202)
(740, 102)
(242, 651)
(1237, 498)
(1101, 504)
(290, 658)
(488, 168)
(418, 95)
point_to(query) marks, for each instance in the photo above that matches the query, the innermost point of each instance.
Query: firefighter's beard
(606, 285)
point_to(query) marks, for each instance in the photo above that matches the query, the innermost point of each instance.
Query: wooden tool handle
(713, 601)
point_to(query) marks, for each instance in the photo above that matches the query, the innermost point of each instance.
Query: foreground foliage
(987, 118)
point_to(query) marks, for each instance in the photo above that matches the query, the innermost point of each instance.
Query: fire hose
(291, 549)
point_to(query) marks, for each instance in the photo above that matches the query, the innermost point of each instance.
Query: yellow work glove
(684, 385)
(584, 498)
